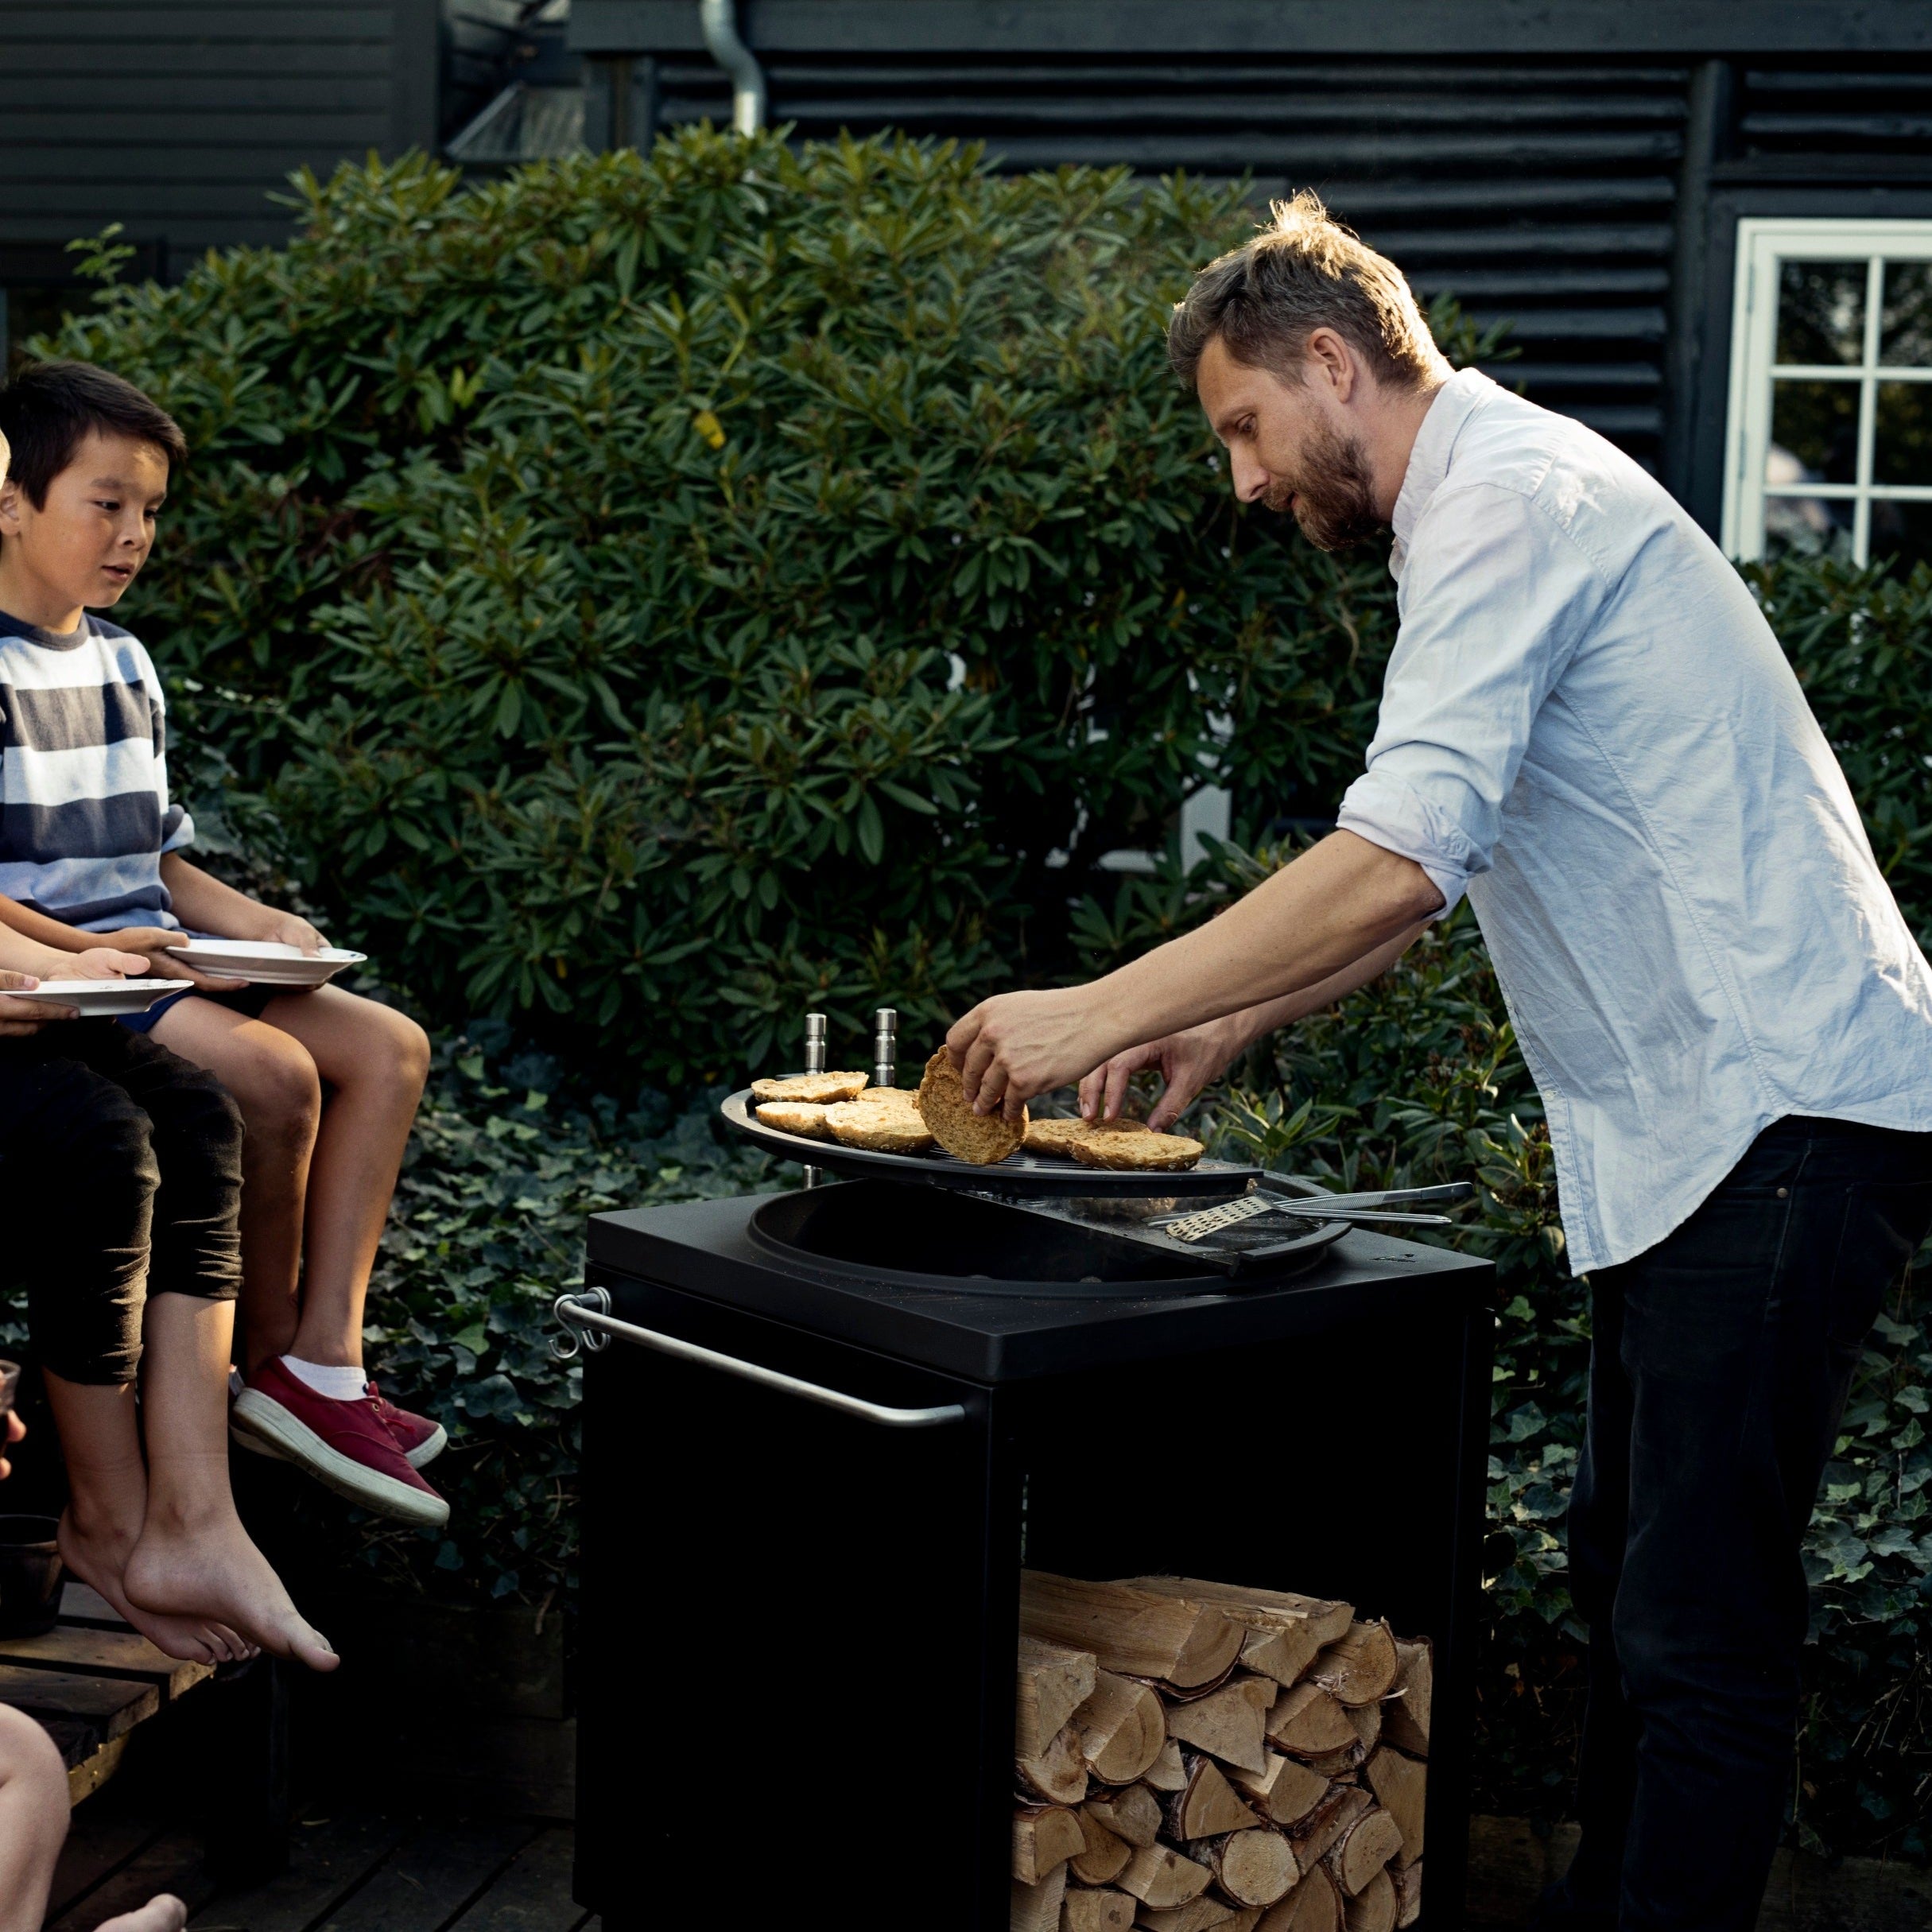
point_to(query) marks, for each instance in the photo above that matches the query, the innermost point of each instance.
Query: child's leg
(194, 1557)
(373, 1061)
(32, 1819)
(275, 1084)
(82, 1180)
(107, 1507)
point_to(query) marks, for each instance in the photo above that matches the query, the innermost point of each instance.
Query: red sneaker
(345, 1445)
(420, 1439)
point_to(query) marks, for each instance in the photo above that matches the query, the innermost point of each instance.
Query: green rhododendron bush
(641, 599)
(659, 595)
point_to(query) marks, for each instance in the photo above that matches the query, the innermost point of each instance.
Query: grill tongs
(1375, 1209)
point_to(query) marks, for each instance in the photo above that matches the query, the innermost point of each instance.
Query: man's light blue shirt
(1587, 726)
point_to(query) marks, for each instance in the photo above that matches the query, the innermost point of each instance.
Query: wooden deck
(350, 1870)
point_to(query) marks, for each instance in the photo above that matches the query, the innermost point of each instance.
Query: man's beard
(1337, 507)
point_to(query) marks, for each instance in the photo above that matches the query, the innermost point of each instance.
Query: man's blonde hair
(1303, 272)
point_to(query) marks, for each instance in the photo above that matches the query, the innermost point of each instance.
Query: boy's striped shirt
(84, 813)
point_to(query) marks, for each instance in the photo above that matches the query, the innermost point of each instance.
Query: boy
(92, 853)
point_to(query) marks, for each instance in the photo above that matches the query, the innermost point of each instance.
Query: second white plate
(264, 962)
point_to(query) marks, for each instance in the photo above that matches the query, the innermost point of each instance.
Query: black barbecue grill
(824, 1429)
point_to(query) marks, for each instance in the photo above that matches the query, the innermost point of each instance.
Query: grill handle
(591, 1310)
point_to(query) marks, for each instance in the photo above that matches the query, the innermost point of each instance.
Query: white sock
(338, 1384)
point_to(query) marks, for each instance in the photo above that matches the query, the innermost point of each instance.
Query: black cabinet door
(782, 1622)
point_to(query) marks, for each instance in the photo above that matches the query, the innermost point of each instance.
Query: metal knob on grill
(886, 1047)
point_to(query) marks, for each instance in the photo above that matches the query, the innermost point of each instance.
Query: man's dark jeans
(1718, 1372)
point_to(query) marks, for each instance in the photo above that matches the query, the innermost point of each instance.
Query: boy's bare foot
(99, 1558)
(162, 1913)
(210, 1567)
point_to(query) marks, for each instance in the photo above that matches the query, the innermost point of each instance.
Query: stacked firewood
(1192, 1757)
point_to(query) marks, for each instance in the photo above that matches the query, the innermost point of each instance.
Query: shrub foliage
(723, 582)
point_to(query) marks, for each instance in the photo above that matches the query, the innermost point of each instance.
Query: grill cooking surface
(881, 1231)
(1023, 1173)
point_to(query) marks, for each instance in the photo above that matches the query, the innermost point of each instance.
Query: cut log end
(1208, 1807)
(1122, 1728)
(1036, 1908)
(1044, 1836)
(1084, 1911)
(1161, 1878)
(1059, 1773)
(1359, 1666)
(1249, 1867)
(1373, 1908)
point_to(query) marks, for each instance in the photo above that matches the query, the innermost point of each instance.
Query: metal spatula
(1375, 1208)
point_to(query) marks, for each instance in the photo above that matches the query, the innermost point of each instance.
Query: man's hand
(1186, 1061)
(20, 1017)
(1319, 927)
(1009, 1048)
(12, 1434)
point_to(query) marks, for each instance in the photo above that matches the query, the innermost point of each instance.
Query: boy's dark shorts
(251, 1000)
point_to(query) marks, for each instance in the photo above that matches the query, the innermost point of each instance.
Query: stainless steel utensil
(1375, 1208)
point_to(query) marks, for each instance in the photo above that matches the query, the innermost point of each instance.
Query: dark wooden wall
(1576, 168)
(180, 118)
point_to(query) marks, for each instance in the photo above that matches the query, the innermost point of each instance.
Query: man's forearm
(1334, 918)
(1253, 1023)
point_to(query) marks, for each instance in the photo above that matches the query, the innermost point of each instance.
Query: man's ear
(1328, 362)
(10, 497)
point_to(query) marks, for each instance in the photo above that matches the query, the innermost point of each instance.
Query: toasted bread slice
(822, 1089)
(804, 1117)
(1056, 1137)
(981, 1138)
(1154, 1153)
(883, 1127)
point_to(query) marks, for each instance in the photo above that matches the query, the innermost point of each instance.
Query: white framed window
(1830, 418)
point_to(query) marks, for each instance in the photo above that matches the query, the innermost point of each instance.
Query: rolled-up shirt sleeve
(1494, 600)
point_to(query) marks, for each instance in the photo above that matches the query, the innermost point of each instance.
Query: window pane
(1904, 323)
(1822, 312)
(1903, 451)
(1808, 526)
(1902, 530)
(1814, 433)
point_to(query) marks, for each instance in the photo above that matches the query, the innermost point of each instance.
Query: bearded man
(1587, 727)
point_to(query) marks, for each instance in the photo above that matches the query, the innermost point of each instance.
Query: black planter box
(798, 1625)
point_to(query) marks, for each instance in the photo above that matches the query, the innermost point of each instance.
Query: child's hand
(109, 963)
(15, 1429)
(283, 929)
(18, 1017)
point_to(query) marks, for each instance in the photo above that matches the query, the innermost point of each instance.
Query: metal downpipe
(719, 20)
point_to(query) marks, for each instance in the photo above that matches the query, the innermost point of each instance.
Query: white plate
(97, 997)
(263, 962)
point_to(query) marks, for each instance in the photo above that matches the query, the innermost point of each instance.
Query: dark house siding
(1576, 168)
(179, 117)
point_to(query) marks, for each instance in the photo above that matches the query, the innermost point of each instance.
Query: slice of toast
(821, 1089)
(981, 1138)
(1152, 1152)
(1057, 1138)
(880, 1126)
(805, 1117)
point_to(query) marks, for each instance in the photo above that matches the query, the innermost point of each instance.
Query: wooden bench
(91, 1682)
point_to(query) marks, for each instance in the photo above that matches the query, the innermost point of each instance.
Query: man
(1587, 727)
